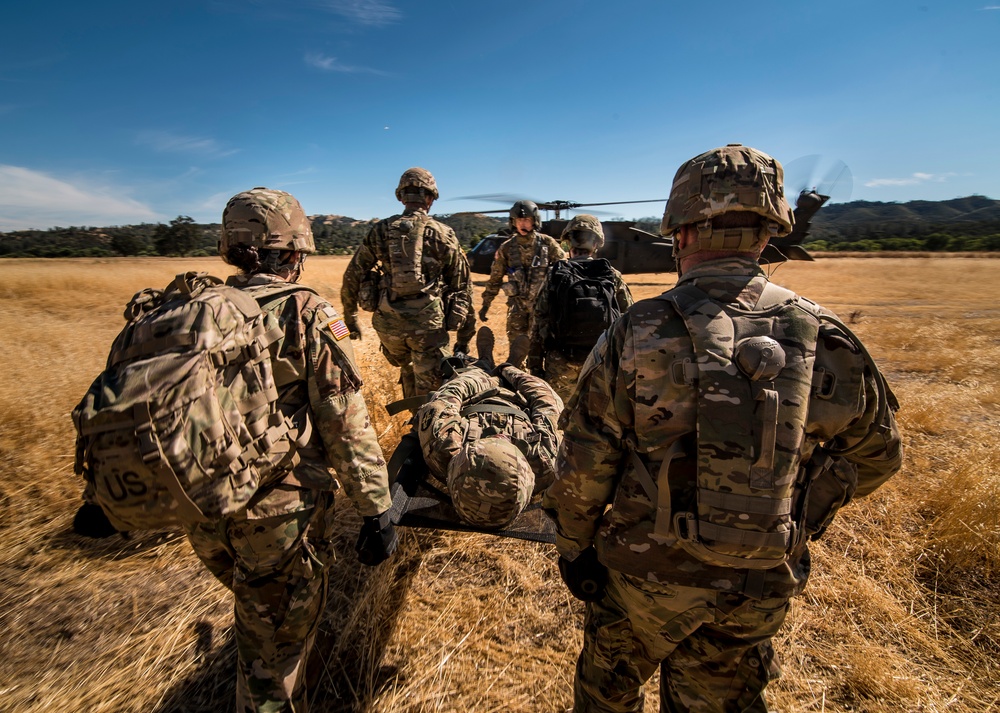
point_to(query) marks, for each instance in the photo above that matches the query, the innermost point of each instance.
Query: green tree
(181, 237)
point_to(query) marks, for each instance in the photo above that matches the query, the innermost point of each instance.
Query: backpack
(183, 424)
(582, 304)
(404, 250)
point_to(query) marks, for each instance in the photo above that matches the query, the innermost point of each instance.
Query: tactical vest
(753, 376)
(525, 288)
(404, 247)
(498, 411)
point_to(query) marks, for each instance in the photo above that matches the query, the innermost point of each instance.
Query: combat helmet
(733, 178)
(525, 209)
(266, 219)
(490, 482)
(584, 231)
(416, 177)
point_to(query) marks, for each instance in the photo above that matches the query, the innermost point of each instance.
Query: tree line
(970, 224)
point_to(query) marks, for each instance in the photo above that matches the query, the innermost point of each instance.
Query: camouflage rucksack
(582, 305)
(183, 424)
(404, 246)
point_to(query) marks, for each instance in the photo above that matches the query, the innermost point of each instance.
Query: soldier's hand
(90, 521)
(376, 540)
(352, 325)
(482, 314)
(461, 348)
(585, 576)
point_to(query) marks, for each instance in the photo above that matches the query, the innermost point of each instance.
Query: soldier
(275, 555)
(524, 258)
(579, 299)
(724, 422)
(412, 273)
(490, 435)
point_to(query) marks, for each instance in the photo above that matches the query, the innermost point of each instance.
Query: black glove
(585, 576)
(376, 540)
(90, 521)
(460, 348)
(352, 326)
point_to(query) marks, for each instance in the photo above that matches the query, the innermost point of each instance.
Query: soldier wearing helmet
(578, 300)
(275, 555)
(714, 430)
(412, 273)
(490, 435)
(524, 259)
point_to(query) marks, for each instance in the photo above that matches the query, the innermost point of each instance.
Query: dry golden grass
(900, 615)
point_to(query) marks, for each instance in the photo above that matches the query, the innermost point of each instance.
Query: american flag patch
(338, 329)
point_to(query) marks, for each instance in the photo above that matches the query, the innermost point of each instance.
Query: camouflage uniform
(446, 427)
(760, 414)
(414, 330)
(524, 259)
(561, 368)
(707, 627)
(275, 555)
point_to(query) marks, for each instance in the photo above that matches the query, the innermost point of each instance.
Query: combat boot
(519, 351)
(484, 345)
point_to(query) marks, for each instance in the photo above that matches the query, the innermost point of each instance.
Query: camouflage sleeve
(455, 276)
(539, 330)
(340, 415)
(363, 261)
(595, 423)
(556, 253)
(622, 293)
(544, 407)
(440, 424)
(497, 271)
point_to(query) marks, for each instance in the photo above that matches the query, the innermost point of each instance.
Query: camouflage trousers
(713, 649)
(418, 356)
(518, 320)
(562, 374)
(274, 558)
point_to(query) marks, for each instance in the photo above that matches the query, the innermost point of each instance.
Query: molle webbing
(749, 431)
(404, 245)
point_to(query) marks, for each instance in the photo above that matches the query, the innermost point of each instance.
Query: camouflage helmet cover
(584, 231)
(525, 209)
(490, 482)
(724, 180)
(416, 177)
(267, 219)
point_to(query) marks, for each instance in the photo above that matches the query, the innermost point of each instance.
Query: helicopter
(632, 250)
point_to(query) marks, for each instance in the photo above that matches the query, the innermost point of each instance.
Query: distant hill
(961, 224)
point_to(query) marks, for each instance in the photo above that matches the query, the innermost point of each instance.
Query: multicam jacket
(442, 426)
(525, 269)
(606, 423)
(445, 297)
(314, 365)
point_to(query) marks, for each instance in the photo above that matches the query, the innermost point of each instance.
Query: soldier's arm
(556, 252)
(497, 271)
(457, 285)
(363, 260)
(340, 414)
(622, 293)
(544, 407)
(539, 330)
(881, 456)
(594, 426)
(440, 424)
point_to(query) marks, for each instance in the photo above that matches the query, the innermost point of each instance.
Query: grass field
(901, 613)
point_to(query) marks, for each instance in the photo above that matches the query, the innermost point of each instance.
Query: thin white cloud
(332, 64)
(992, 7)
(32, 199)
(167, 142)
(364, 12)
(911, 180)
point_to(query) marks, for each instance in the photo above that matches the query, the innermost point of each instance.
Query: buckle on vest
(824, 383)
(684, 372)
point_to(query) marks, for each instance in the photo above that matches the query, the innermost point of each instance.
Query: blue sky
(124, 112)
